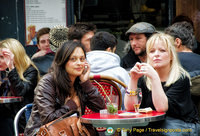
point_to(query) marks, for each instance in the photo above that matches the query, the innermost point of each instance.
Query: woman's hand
(148, 70)
(86, 73)
(8, 58)
(135, 72)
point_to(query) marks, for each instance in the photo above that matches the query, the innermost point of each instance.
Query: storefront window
(116, 16)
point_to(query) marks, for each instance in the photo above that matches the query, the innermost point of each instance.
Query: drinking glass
(112, 104)
(138, 100)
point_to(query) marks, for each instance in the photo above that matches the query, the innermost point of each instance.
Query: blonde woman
(165, 86)
(19, 77)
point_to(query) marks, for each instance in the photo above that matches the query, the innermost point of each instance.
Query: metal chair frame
(26, 109)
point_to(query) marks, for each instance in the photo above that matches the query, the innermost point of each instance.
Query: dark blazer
(129, 60)
(43, 63)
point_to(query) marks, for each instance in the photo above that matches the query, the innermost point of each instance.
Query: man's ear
(178, 42)
(109, 49)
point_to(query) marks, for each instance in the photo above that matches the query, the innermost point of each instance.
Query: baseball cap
(57, 36)
(141, 27)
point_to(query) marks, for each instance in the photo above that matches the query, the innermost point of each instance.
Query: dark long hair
(60, 76)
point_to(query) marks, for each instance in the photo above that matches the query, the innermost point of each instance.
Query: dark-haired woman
(66, 87)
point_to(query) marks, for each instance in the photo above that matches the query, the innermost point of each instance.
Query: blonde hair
(176, 71)
(21, 59)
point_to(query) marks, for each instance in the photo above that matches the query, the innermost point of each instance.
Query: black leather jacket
(47, 107)
(18, 87)
(24, 88)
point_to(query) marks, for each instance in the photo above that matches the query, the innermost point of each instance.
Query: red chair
(107, 82)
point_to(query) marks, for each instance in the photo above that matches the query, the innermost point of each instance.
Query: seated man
(44, 57)
(138, 35)
(82, 32)
(184, 42)
(42, 42)
(104, 61)
(56, 37)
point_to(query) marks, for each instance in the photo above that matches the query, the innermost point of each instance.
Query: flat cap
(141, 27)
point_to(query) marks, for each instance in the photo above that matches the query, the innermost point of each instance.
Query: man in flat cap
(138, 35)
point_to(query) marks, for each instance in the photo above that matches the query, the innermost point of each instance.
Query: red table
(10, 99)
(116, 121)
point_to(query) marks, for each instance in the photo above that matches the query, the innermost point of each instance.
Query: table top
(103, 120)
(10, 99)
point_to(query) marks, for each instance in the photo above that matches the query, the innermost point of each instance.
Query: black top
(190, 61)
(129, 60)
(179, 99)
(43, 63)
(197, 49)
